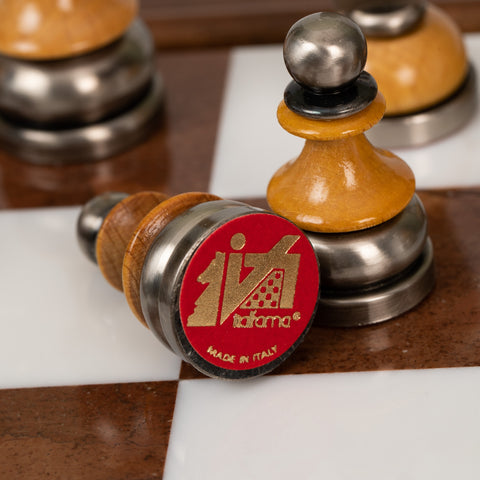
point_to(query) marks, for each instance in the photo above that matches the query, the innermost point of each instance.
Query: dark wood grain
(443, 331)
(88, 432)
(190, 23)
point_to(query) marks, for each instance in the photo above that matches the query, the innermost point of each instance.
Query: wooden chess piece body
(417, 56)
(357, 201)
(77, 79)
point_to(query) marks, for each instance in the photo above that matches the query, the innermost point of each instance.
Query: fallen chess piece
(229, 288)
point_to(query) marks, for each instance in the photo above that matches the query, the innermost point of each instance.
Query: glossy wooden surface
(325, 130)
(339, 182)
(145, 234)
(421, 68)
(117, 229)
(122, 431)
(51, 29)
(86, 432)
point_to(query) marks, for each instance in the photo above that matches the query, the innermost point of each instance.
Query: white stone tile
(60, 322)
(420, 424)
(251, 145)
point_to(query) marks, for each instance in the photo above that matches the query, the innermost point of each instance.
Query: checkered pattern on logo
(267, 293)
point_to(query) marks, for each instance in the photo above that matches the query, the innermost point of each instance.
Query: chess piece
(357, 202)
(417, 56)
(216, 281)
(77, 79)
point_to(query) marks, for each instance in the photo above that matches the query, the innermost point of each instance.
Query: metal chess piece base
(82, 108)
(91, 142)
(376, 274)
(426, 126)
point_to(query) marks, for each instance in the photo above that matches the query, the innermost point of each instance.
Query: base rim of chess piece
(370, 257)
(89, 143)
(78, 90)
(369, 307)
(432, 124)
(373, 275)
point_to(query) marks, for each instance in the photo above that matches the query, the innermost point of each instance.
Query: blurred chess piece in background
(77, 79)
(417, 55)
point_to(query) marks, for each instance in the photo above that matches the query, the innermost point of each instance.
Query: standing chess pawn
(229, 288)
(356, 202)
(77, 79)
(417, 56)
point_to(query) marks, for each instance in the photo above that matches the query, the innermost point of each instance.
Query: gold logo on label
(252, 281)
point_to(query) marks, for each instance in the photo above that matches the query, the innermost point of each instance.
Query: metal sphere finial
(91, 218)
(325, 50)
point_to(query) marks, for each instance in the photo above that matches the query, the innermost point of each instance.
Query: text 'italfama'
(264, 321)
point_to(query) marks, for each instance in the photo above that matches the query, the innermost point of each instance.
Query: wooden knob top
(53, 29)
(420, 68)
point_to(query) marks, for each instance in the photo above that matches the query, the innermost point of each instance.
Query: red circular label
(249, 292)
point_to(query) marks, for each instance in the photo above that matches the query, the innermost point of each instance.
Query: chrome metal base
(375, 305)
(91, 142)
(429, 125)
(82, 89)
(375, 274)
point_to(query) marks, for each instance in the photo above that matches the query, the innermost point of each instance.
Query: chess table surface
(86, 392)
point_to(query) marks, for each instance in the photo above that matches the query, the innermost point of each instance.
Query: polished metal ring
(386, 301)
(357, 260)
(163, 274)
(78, 90)
(86, 143)
(428, 125)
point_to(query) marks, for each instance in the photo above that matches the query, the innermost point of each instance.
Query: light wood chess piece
(417, 56)
(357, 202)
(77, 79)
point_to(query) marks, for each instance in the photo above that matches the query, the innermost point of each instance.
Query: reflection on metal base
(81, 89)
(429, 125)
(87, 143)
(377, 304)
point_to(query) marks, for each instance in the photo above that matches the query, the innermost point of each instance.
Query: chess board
(87, 392)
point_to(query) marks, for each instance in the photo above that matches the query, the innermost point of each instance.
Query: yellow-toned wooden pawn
(421, 67)
(54, 29)
(339, 182)
(127, 232)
